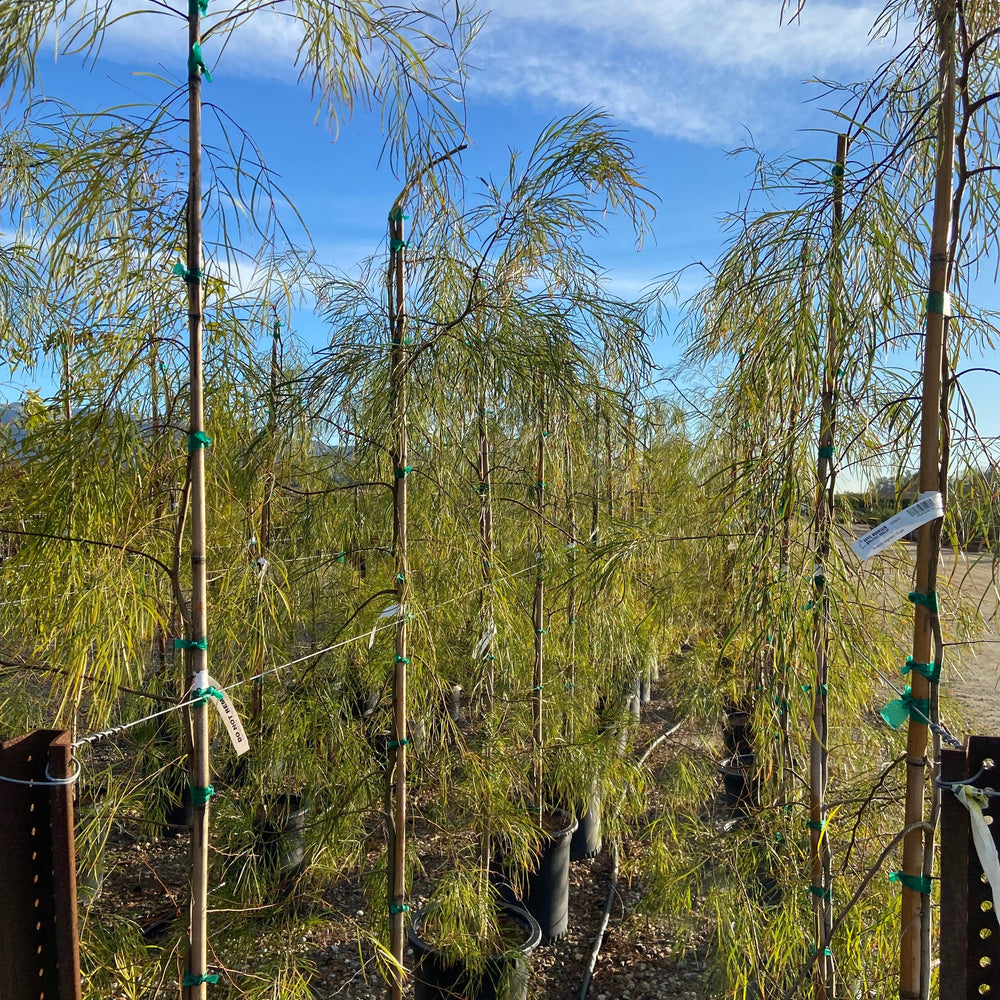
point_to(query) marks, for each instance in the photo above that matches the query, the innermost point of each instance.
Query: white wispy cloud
(701, 70)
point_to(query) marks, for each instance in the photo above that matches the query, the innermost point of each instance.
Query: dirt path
(971, 673)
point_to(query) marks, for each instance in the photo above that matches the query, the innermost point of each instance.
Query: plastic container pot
(279, 828)
(505, 976)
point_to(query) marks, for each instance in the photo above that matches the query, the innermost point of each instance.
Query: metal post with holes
(970, 933)
(39, 949)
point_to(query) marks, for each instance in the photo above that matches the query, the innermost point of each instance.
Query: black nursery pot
(180, 812)
(741, 782)
(547, 892)
(505, 976)
(279, 828)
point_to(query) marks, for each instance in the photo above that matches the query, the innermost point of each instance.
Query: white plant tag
(237, 734)
(927, 507)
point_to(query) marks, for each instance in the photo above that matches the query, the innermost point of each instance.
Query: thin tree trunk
(197, 625)
(397, 383)
(819, 840)
(264, 538)
(487, 615)
(915, 917)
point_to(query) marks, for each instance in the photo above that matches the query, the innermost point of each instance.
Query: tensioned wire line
(197, 700)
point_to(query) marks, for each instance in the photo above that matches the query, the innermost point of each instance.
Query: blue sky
(687, 79)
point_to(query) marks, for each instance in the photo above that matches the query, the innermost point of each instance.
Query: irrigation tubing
(606, 917)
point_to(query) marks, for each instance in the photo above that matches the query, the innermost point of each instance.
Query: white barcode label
(928, 507)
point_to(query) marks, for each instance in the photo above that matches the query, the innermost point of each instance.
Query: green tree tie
(906, 707)
(932, 671)
(191, 643)
(190, 979)
(929, 601)
(197, 441)
(196, 64)
(201, 796)
(918, 883)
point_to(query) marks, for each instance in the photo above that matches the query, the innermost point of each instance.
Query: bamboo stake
(819, 840)
(538, 615)
(571, 559)
(915, 918)
(397, 388)
(197, 624)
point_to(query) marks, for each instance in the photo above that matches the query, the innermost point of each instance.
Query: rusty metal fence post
(970, 934)
(39, 943)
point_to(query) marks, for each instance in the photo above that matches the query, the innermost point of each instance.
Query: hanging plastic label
(237, 734)
(928, 507)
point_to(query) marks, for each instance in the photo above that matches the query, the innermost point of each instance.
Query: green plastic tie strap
(402, 473)
(190, 979)
(198, 8)
(396, 244)
(402, 659)
(398, 908)
(541, 631)
(483, 488)
(935, 303)
(197, 441)
(396, 744)
(932, 671)
(276, 330)
(210, 692)
(196, 63)
(918, 883)
(929, 601)
(828, 451)
(397, 215)
(812, 950)
(190, 277)
(200, 796)
(541, 484)
(837, 170)
(813, 824)
(906, 707)
(820, 892)
(191, 643)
